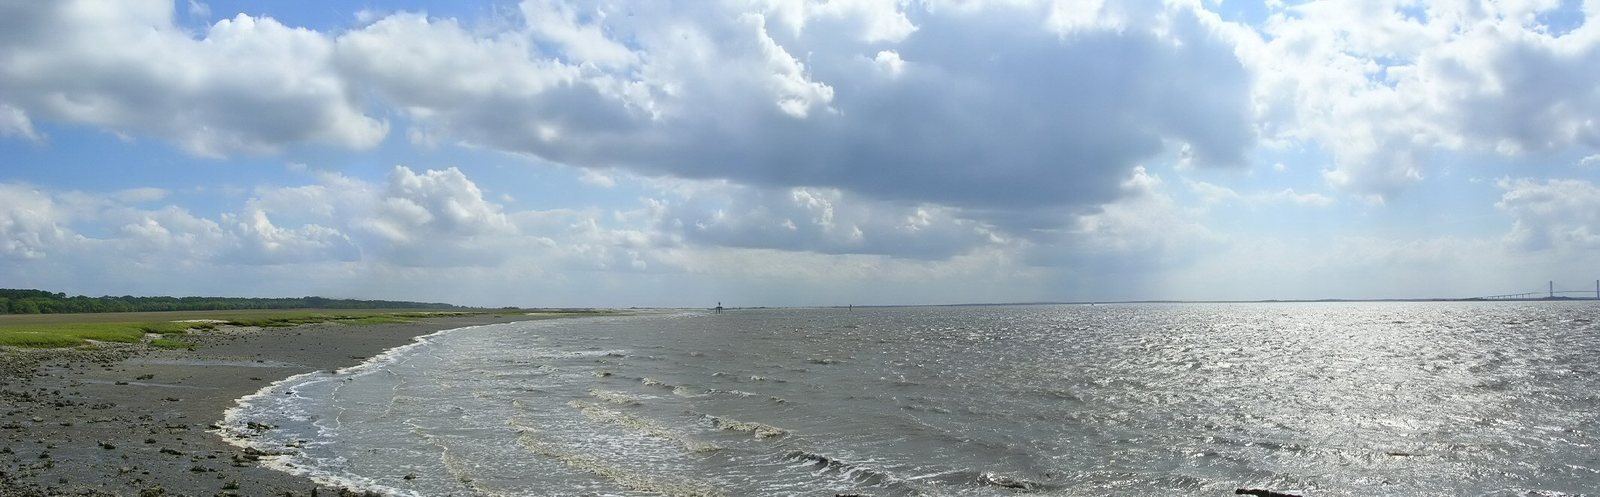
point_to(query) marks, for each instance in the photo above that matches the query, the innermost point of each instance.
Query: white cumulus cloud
(246, 84)
(1386, 85)
(31, 224)
(1552, 214)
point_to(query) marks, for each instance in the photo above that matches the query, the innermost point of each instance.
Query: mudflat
(128, 419)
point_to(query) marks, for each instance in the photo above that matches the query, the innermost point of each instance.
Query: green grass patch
(299, 319)
(61, 333)
(273, 322)
(374, 320)
(171, 344)
(74, 334)
(173, 328)
(70, 330)
(37, 339)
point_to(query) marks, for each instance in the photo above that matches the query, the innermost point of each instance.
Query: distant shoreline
(1283, 301)
(1122, 302)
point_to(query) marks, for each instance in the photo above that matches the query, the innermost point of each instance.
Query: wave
(459, 470)
(735, 393)
(757, 429)
(241, 426)
(652, 382)
(1011, 482)
(628, 479)
(868, 475)
(615, 397)
(641, 425)
(858, 473)
(851, 471)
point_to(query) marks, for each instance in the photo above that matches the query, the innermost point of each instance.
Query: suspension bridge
(1550, 293)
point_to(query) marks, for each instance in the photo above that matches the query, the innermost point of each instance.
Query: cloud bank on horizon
(800, 152)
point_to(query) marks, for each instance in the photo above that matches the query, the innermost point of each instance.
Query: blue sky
(799, 152)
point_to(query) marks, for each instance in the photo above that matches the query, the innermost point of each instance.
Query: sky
(799, 152)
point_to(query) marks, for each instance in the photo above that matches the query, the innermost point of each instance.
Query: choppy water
(1318, 399)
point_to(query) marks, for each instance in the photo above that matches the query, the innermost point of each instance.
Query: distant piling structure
(1549, 293)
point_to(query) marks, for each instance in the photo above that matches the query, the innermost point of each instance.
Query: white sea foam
(282, 399)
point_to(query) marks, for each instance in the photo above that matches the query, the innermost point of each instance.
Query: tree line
(22, 301)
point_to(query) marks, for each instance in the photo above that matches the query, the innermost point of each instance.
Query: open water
(1336, 399)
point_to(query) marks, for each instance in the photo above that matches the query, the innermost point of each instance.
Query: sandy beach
(129, 420)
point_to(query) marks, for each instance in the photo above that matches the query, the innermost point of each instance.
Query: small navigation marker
(718, 308)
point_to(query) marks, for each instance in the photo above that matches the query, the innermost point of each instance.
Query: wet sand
(129, 420)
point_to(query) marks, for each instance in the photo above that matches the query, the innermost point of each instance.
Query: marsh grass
(171, 344)
(175, 327)
(72, 330)
(38, 339)
(74, 334)
(314, 318)
(55, 331)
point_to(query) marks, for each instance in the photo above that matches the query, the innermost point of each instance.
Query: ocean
(1315, 399)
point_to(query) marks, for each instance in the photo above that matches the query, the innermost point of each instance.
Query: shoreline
(129, 420)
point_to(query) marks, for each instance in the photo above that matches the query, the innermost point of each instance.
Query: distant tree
(24, 306)
(22, 301)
